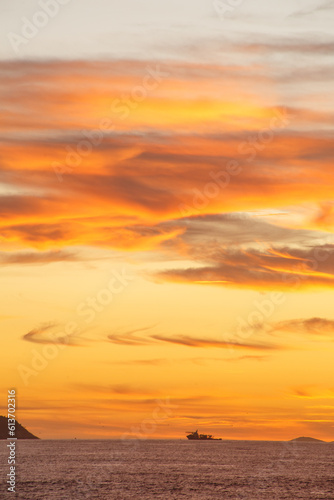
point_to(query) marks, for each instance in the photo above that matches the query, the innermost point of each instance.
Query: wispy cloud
(321, 7)
(316, 327)
(24, 257)
(206, 343)
(118, 389)
(313, 392)
(130, 339)
(144, 362)
(197, 361)
(257, 265)
(48, 334)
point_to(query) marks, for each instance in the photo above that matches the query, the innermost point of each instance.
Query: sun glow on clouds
(214, 185)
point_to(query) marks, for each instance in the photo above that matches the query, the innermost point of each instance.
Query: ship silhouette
(201, 437)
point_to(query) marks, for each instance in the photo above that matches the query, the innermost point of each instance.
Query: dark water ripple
(153, 470)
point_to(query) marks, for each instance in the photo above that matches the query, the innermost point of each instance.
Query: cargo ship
(201, 437)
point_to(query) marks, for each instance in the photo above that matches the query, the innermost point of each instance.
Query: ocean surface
(170, 469)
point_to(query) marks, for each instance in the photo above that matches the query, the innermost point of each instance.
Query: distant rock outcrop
(20, 431)
(308, 440)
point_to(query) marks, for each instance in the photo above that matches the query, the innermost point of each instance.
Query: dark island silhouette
(20, 431)
(304, 439)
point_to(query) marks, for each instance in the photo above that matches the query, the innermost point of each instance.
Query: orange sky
(167, 252)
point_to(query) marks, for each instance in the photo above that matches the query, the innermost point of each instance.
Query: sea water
(170, 469)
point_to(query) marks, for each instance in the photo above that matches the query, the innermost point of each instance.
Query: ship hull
(195, 436)
(203, 439)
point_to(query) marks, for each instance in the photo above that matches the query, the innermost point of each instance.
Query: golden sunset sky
(166, 212)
